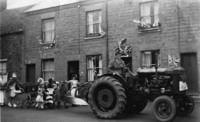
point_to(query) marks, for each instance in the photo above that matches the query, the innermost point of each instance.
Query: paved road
(82, 114)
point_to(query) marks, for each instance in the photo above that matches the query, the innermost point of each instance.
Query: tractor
(112, 95)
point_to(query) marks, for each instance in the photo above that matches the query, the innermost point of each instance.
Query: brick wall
(11, 50)
(72, 44)
(71, 41)
(121, 15)
(179, 31)
(189, 29)
(12, 37)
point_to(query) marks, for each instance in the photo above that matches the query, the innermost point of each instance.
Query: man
(117, 65)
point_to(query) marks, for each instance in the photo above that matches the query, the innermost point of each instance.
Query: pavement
(83, 114)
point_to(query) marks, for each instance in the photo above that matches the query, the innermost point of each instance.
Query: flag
(176, 61)
(172, 60)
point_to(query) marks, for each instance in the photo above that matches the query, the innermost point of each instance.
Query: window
(3, 71)
(150, 58)
(48, 30)
(94, 67)
(3, 67)
(94, 20)
(149, 14)
(48, 68)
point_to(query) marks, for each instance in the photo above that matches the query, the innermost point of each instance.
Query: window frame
(150, 26)
(94, 68)
(151, 65)
(87, 24)
(2, 72)
(43, 41)
(43, 71)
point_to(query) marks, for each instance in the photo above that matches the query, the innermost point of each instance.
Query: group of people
(45, 93)
(52, 93)
(49, 94)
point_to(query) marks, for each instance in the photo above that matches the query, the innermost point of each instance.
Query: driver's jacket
(117, 65)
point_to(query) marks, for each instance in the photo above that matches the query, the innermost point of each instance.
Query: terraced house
(62, 39)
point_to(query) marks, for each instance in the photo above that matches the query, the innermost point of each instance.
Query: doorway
(128, 62)
(189, 63)
(73, 68)
(30, 73)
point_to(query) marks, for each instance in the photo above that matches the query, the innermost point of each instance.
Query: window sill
(153, 29)
(94, 37)
(48, 45)
(3, 73)
(3, 60)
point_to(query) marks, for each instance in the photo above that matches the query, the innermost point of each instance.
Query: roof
(13, 4)
(44, 4)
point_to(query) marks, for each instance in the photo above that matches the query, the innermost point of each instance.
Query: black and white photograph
(99, 60)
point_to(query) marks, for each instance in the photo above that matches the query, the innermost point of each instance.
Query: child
(57, 95)
(40, 94)
(49, 100)
(39, 98)
(50, 93)
(60, 94)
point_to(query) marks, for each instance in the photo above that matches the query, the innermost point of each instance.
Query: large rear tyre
(107, 98)
(164, 108)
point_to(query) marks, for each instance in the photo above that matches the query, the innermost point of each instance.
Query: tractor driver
(117, 65)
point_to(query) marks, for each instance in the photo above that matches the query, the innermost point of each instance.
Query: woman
(13, 88)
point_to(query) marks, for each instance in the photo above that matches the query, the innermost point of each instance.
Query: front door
(30, 73)
(189, 63)
(73, 68)
(128, 62)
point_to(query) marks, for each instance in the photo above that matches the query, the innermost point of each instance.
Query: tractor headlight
(183, 86)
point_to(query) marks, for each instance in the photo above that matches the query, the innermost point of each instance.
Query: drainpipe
(107, 38)
(79, 43)
(178, 26)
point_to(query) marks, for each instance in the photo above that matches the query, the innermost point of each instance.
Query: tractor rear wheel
(107, 98)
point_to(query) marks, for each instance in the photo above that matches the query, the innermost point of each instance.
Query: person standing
(13, 88)
(73, 85)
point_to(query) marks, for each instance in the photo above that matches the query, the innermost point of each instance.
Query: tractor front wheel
(164, 108)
